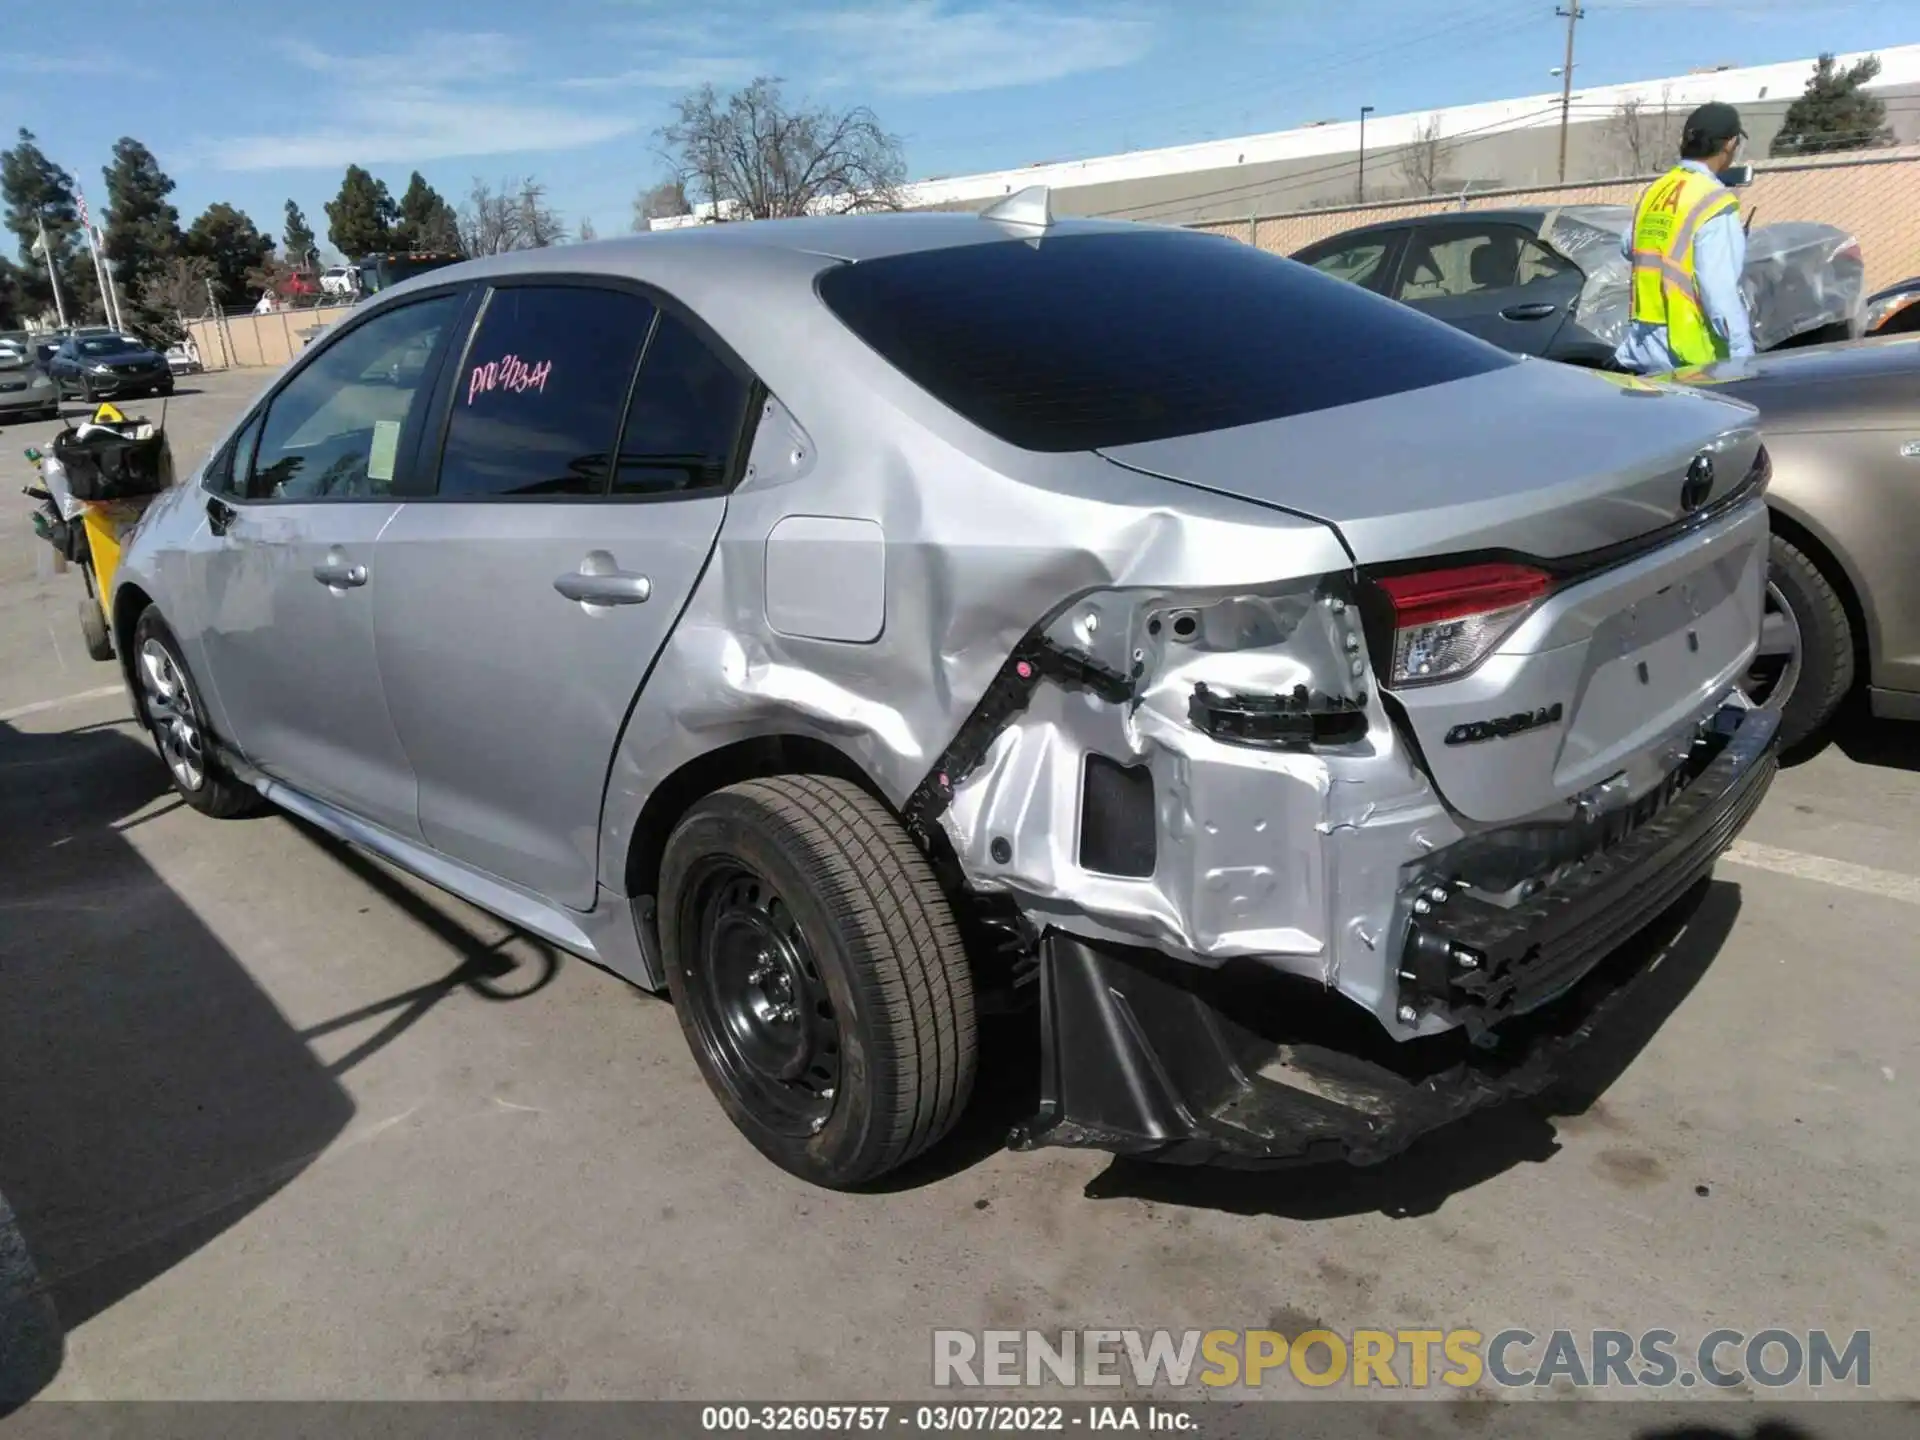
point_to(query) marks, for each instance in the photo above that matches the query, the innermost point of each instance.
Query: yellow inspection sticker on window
(386, 441)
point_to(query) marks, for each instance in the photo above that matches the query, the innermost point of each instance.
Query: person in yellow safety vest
(1688, 247)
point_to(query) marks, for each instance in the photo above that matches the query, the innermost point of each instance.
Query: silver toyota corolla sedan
(852, 625)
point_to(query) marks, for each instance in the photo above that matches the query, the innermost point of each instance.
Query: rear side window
(1080, 342)
(686, 417)
(536, 409)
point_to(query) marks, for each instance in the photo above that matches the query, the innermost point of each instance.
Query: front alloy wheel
(171, 715)
(169, 706)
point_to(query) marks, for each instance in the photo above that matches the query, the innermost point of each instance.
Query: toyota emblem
(1698, 485)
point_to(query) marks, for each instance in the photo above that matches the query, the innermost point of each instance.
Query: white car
(337, 280)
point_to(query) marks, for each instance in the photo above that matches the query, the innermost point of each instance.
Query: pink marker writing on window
(509, 372)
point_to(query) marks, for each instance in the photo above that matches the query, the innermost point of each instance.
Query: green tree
(233, 246)
(13, 298)
(142, 227)
(426, 221)
(1835, 112)
(360, 218)
(301, 247)
(35, 189)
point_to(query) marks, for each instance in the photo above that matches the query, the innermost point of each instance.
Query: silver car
(854, 625)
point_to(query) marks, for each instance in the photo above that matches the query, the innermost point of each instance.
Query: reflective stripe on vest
(1666, 287)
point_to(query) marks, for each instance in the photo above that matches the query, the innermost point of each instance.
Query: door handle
(1532, 310)
(219, 515)
(601, 581)
(339, 575)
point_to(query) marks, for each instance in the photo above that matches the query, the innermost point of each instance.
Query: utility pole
(1573, 14)
(1360, 189)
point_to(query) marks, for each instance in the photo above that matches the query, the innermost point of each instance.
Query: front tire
(1805, 666)
(169, 706)
(818, 975)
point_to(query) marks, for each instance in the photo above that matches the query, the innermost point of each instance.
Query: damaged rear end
(1442, 786)
(1315, 864)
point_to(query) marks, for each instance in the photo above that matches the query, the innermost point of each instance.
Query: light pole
(1360, 189)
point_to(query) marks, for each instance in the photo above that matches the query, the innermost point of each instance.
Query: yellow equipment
(105, 524)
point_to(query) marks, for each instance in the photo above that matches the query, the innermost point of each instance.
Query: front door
(287, 570)
(524, 601)
(1492, 280)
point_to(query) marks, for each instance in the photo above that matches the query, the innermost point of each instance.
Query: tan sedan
(1842, 423)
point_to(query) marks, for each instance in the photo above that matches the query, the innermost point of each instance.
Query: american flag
(82, 195)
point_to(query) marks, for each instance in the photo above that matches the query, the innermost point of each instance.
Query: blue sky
(274, 105)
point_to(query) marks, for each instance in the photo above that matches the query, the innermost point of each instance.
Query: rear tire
(818, 975)
(1810, 686)
(168, 704)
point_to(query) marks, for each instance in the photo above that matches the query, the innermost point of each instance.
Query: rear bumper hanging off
(1145, 1056)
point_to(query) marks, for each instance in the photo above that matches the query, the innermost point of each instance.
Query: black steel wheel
(819, 976)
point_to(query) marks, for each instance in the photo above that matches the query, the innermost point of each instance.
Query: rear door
(1490, 279)
(591, 434)
(1369, 260)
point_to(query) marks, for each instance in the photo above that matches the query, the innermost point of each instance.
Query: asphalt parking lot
(277, 1122)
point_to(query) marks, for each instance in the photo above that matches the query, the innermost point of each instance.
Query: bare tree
(667, 198)
(487, 219)
(1423, 157)
(1644, 137)
(586, 231)
(537, 225)
(178, 288)
(752, 157)
(512, 216)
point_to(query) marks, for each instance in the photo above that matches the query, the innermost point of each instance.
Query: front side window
(685, 419)
(536, 408)
(1464, 261)
(333, 431)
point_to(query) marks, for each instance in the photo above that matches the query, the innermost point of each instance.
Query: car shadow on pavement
(1889, 744)
(486, 971)
(1680, 947)
(151, 1094)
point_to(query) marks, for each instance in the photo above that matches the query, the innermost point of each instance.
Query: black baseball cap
(1709, 128)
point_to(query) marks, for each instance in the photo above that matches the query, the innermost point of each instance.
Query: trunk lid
(1537, 458)
(1603, 678)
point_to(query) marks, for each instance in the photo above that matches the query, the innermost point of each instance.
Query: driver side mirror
(1735, 176)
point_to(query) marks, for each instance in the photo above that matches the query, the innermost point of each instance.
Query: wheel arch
(755, 758)
(130, 601)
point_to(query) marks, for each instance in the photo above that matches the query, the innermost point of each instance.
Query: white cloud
(438, 96)
(687, 72)
(929, 47)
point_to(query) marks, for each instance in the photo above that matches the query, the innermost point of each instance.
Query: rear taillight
(1445, 622)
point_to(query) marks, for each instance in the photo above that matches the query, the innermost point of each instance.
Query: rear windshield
(1082, 342)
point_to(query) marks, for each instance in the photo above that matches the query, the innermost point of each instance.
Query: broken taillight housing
(1445, 622)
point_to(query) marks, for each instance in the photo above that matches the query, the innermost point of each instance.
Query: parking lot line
(20, 712)
(1888, 884)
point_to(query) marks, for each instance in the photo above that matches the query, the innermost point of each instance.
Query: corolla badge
(1476, 731)
(1698, 485)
